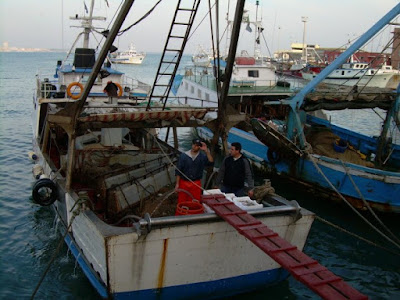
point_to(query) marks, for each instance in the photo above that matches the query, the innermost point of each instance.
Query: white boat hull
(379, 80)
(181, 260)
(136, 60)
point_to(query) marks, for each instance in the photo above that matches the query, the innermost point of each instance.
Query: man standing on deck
(190, 169)
(111, 90)
(234, 172)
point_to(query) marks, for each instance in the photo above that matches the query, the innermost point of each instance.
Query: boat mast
(257, 49)
(78, 105)
(222, 120)
(88, 28)
(304, 58)
(392, 114)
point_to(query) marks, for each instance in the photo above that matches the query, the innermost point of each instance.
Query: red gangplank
(302, 267)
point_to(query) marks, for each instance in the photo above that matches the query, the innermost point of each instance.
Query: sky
(46, 23)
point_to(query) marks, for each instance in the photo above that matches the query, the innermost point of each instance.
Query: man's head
(196, 144)
(235, 149)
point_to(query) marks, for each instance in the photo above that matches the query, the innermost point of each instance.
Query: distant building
(396, 49)
(318, 55)
(296, 53)
(6, 48)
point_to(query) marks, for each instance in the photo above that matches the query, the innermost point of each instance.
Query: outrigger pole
(221, 122)
(294, 124)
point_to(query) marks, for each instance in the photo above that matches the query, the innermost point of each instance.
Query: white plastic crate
(246, 203)
(213, 192)
(230, 196)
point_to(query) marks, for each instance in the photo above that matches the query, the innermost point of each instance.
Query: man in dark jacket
(190, 169)
(111, 89)
(234, 172)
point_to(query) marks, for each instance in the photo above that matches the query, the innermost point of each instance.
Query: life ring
(273, 157)
(44, 192)
(70, 86)
(120, 90)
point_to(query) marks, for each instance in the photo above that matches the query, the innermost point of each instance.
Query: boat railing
(204, 77)
(195, 102)
(134, 83)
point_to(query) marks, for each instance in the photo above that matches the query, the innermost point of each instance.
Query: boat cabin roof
(69, 69)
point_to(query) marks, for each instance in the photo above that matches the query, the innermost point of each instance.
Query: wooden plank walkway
(302, 267)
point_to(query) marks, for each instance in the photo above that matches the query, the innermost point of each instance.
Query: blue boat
(286, 145)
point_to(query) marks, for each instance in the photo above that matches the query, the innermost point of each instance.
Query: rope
(141, 19)
(349, 204)
(162, 200)
(356, 236)
(344, 199)
(367, 204)
(74, 215)
(172, 164)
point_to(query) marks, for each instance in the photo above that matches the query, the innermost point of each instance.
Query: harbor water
(30, 241)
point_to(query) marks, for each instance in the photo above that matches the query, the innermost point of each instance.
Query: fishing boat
(202, 57)
(359, 74)
(110, 179)
(333, 161)
(130, 56)
(70, 77)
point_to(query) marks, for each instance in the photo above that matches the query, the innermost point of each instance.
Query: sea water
(29, 236)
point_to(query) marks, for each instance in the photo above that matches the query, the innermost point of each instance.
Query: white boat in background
(360, 74)
(202, 58)
(251, 72)
(130, 56)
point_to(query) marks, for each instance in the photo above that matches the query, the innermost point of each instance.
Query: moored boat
(109, 178)
(130, 56)
(364, 173)
(359, 74)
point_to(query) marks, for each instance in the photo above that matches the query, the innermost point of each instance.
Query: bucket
(340, 146)
(189, 208)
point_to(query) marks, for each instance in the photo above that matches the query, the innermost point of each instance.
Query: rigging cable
(344, 199)
(213, 49)
(347, 202)
(356, 235)
(367, 204)
(58, 248)
(140, 20)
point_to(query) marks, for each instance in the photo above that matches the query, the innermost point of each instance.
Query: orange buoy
(73, 85)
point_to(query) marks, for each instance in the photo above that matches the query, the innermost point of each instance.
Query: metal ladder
(175, 44)
(302, 267)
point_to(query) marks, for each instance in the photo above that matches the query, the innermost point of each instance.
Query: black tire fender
(44, 192)
(273, 156)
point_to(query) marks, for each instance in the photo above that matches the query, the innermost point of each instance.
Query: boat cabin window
(198, 93)
(192, 89)
(253, 73)
(186, 86)
(342, 72)
(207, 96)
(372, 72)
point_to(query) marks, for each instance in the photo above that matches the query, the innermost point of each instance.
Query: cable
(345, 200)
(367, 205)
(355, 235)
(140, 20)
(74, 215)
